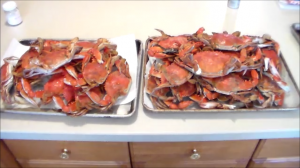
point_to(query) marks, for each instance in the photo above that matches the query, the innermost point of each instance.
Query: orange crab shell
(175, 74)
(173, 42)
(99, 97)
(229, 39)
(233, 82)
(95, 73)
(117, 84)
(214, 63)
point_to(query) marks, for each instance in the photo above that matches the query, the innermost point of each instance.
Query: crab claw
(236, 33)
(163, 34)
(71, 70)
(97, 54)
(158, 52)
(185, 49)
(25, 96)
(157, 103)
(252, 83)
(210, 95)
(71, 107)
(200, 31)
(257, 56)
(154, 71)
(268, 102)
(98, 97)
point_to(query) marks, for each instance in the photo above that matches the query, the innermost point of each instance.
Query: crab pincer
(99, 97)
(67, 108)
(159, 52)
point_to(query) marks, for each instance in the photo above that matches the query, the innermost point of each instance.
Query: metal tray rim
(134, 103)
(214, 110)
(295, 34)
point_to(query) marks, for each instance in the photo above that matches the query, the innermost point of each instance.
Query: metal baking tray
(296, 31)
(291, 101)
(116, 111)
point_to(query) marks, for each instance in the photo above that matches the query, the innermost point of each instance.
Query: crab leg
(28, 90)
(209, 94)
(269, 101)
(254, 58)
(180, 105)
(260, 97)
(71, 107)
(24, 95)
(69, 80)
(154, 72)
(117, 84)
(55, 44)
(185, 49)
(158, 103)
(97, 54)
(98, 97)
(154, 101)
(198, 99)
(188, 63)
(123, 67)
(250, 84)
(158, 52)
(276, 76)
(161, 93)
(151, 88)
(278, 99)
(38, 45)
(71, 70)
(257, 56)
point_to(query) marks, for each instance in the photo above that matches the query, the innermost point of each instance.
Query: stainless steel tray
(116, 111)
(291, 101)
(296, 31)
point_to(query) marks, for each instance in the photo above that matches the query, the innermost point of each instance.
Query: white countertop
(67, 19)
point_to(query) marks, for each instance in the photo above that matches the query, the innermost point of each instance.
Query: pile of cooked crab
(77, 76)
(214, 71)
